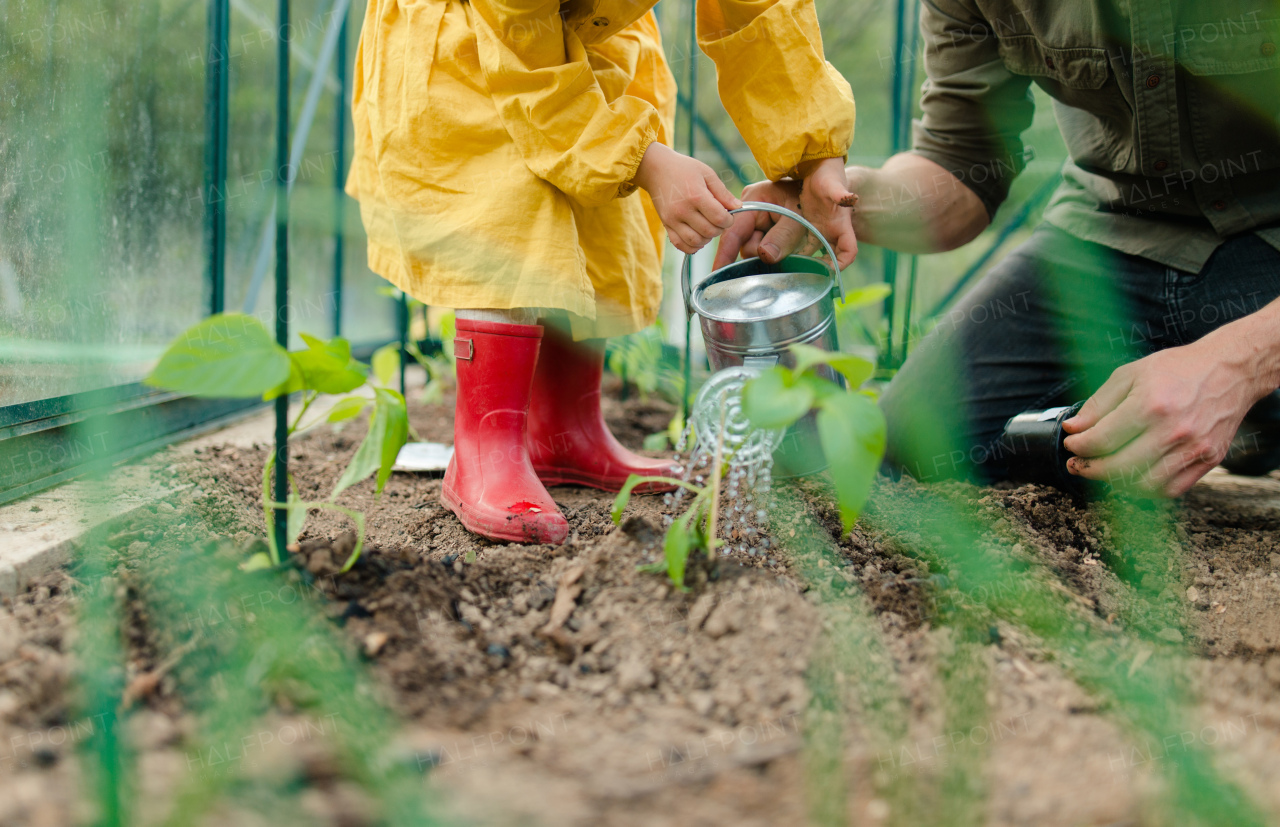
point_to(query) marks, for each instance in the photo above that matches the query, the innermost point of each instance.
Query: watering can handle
(686, 272)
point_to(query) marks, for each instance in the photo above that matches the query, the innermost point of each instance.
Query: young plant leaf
(656, 442)
(624, 496)
(448, 329)
(227, 355)
(675, 428)
(395, 415)
(775, 400)
(433, 392)
(851, 429)
(855, 369)
(261, 561)
(328, 367)
(863, 296)
(386, 363)
(388, 431)
(676, 549)
(348, 408)
(293, 384)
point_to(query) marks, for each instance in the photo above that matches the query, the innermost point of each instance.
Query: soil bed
(558, 685)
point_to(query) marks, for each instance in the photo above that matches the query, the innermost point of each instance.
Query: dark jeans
(1046, 327)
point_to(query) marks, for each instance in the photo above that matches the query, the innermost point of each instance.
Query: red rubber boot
(490, 483)
(569, 442)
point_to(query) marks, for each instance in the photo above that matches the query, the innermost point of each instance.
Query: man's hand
(1161, 423)
(690, 198)
(749, 227)
(773, 238)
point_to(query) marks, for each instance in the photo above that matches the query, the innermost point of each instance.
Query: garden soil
(560, 685)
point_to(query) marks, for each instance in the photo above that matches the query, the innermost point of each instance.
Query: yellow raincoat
(496, 140)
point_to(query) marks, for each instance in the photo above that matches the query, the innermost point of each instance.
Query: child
(496, 145)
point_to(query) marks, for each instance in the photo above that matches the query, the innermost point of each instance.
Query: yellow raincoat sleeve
(789, 103)
(540, 77)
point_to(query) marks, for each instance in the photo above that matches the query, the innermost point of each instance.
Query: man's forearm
(1251, 345)
(913, 205)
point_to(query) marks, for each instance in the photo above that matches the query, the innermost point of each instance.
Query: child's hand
(691, 200)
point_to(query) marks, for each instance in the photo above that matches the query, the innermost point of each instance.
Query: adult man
(1150, 287)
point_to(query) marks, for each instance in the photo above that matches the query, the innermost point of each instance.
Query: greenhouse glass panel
(101, 164)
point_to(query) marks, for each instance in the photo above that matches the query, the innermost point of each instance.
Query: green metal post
(281, 487)
(402, 328)
(691, 146)
(215, 154)
(340, 149)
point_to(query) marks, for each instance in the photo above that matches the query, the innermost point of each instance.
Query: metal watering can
(751, 312)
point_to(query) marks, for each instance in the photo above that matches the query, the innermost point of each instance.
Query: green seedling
(692, 532)
(850, 324)
(638, 359)
(669, 436)
(232, 355)
(851, 427)
(441, 371)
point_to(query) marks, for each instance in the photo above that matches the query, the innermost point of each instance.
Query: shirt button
(1219, 205)
(1268, 49)
(1153, 81)
(600, 21)
(1161, 165)
(1048, 61)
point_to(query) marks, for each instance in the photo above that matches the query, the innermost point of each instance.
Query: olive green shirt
(1168, 110)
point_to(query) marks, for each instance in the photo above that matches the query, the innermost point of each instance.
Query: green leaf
(855, 369)
(297, 515)
(327, 367)
(433, 392)
(293, 384)
(227, 355)
(257, 562)
(676, 549)
(863, 297)
(624, 496)
(774, 399)
(675, 428)
(348, 408)
(656, 442)
(448, 329)
(851, 429)
(386, 363)
(388, 431)
(392, 410)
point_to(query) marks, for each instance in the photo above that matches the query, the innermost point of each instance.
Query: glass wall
(103, 207)
(100, 210)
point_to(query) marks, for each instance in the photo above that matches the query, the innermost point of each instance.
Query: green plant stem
(355, 516)
(713, 517)
(307, 398)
